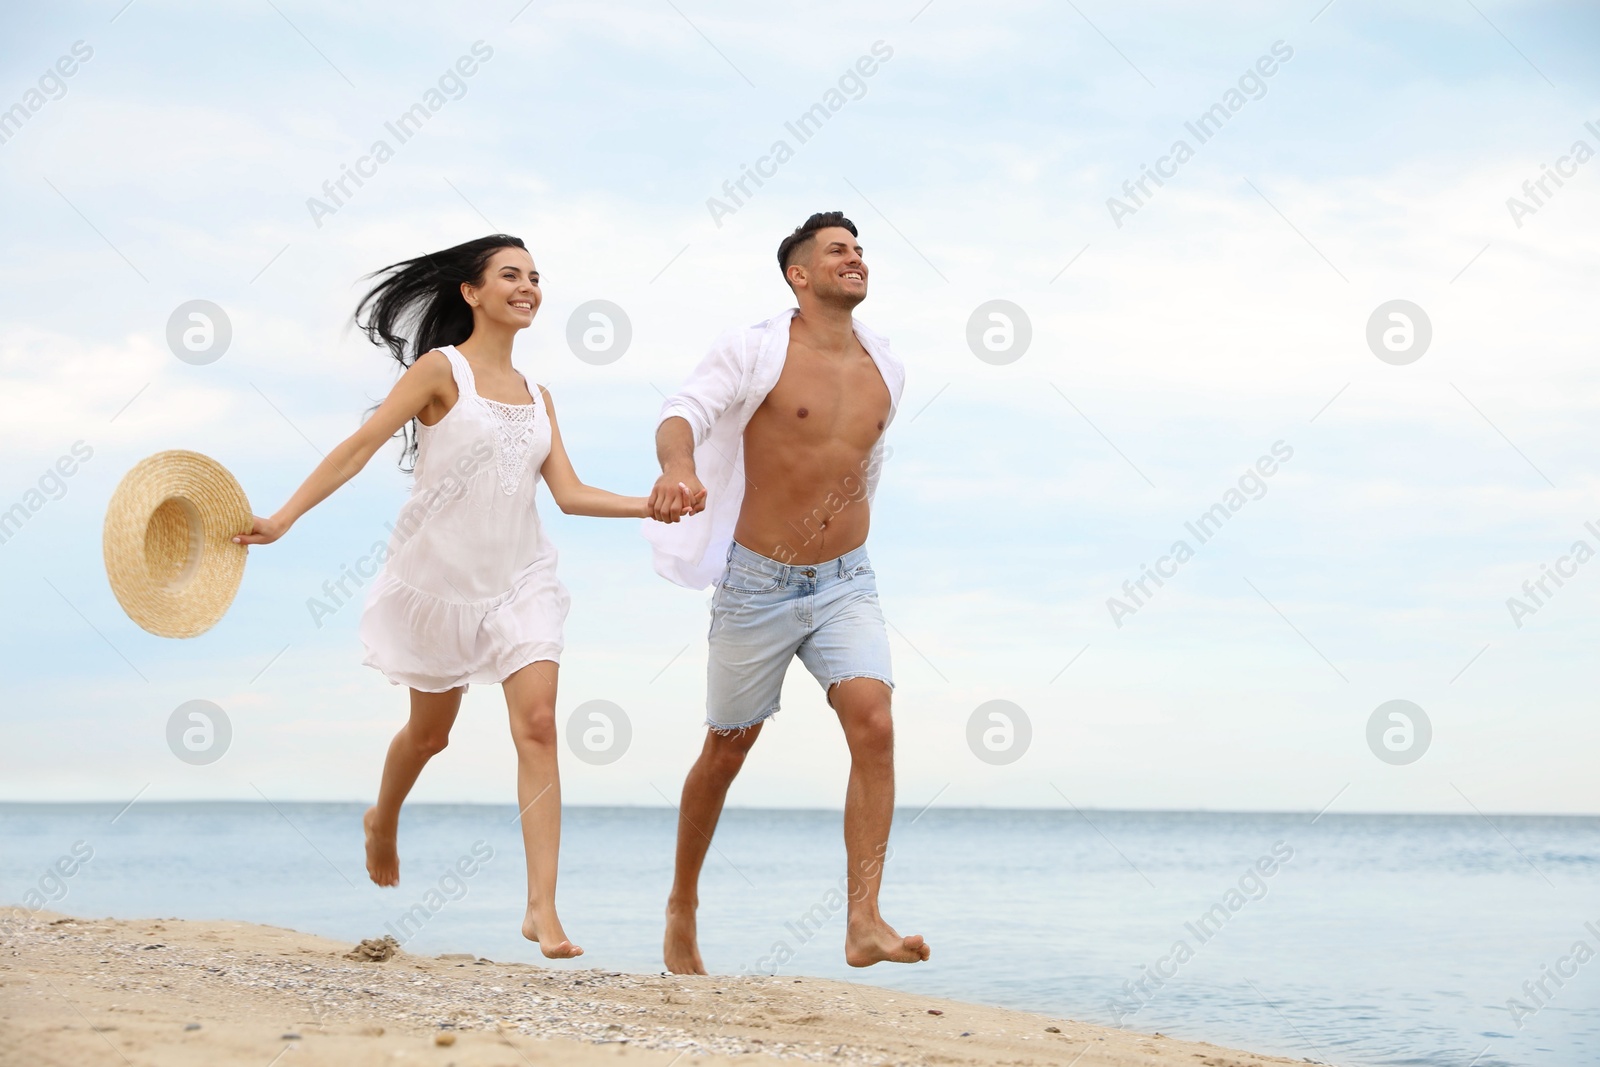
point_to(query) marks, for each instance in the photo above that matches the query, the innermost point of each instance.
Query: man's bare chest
(816, 401)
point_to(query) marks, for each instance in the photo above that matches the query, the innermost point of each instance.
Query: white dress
(468, 591)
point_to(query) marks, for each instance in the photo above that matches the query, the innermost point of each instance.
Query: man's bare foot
(383, 858)
(540, 925)
(680, 948)
(874, 941)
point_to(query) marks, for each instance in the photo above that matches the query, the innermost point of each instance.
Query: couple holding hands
(769, 455)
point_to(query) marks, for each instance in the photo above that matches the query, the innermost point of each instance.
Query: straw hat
(169, 542)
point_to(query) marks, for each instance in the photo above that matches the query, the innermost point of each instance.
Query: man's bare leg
(704, 790)
(531, 702)
(863, 708)
(422, 737)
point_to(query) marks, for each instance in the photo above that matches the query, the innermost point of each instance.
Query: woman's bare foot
(870, 941)
(383, 858)
(680, 948)
(540, 925)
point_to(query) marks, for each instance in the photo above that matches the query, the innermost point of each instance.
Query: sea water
(1444, 941)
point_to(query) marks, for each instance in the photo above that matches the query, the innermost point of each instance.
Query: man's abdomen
(804, 508)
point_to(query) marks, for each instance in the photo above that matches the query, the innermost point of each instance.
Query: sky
(1178, 336)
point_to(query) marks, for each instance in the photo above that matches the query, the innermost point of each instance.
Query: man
(784, 421)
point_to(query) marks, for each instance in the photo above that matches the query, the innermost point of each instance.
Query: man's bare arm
(675, 446)
(675, 451)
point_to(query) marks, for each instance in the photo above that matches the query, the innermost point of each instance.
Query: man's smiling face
(833, 268)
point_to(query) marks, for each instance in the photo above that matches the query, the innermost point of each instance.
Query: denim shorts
(764, 613)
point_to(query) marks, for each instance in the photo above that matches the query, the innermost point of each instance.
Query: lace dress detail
(514, 426)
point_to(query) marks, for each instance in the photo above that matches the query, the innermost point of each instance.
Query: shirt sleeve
(711, 388)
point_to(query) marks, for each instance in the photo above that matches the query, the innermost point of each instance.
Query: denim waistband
(796, 572)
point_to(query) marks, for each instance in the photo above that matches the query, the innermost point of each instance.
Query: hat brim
(168, 542)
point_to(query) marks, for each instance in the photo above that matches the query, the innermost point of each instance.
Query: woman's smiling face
(508, 293)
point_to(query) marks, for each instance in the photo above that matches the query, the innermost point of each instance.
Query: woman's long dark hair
(417, 307)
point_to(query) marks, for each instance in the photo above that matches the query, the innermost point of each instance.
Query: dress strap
(465, 382)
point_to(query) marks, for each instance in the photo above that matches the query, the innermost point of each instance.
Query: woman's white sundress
(468, 591)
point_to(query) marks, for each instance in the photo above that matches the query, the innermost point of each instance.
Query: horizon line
(830, 810)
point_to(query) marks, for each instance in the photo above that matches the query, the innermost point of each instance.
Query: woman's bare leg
(531, 701)
(422, 737)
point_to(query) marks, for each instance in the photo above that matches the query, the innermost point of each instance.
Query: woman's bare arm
(426, 380)
(571, 495)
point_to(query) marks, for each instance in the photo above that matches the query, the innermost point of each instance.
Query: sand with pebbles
(87, 992)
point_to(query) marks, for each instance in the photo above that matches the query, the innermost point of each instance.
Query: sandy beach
(77, 992)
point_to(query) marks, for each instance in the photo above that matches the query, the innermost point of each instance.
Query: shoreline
(82, 992)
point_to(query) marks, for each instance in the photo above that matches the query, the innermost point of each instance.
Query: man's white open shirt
(717, 401)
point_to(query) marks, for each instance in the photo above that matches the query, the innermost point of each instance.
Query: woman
(468, 591)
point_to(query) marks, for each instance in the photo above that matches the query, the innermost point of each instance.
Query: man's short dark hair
(807, 230)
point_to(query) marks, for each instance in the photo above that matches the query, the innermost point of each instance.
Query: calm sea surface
(1380, 939)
